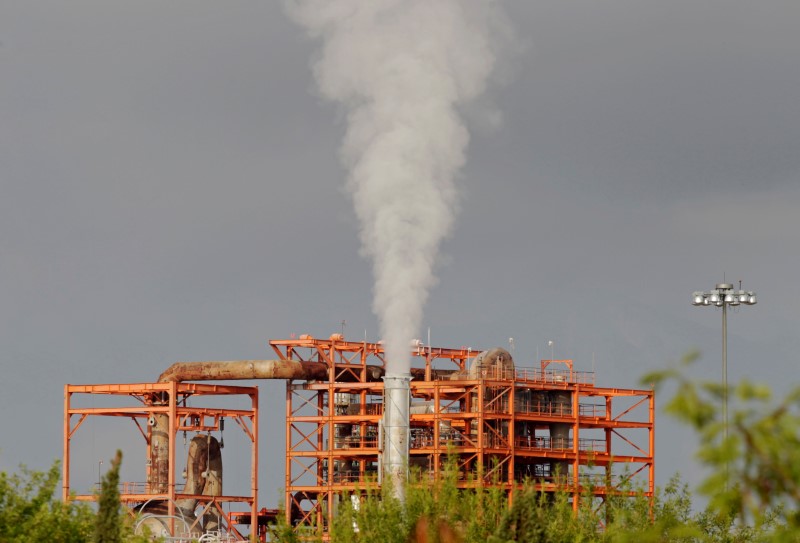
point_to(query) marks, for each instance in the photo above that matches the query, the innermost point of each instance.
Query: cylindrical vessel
(203, 477)
(397, 400)
(561, 405)
(158, 473)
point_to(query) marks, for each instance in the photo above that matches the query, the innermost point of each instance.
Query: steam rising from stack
(401, 68)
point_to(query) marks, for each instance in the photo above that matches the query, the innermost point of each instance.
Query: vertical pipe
(397, 400)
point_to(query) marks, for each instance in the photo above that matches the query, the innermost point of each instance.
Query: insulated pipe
(243, 369)
(397, 401)
(270, 369)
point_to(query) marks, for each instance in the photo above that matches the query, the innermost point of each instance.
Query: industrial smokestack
(403, 69)
(396, 405)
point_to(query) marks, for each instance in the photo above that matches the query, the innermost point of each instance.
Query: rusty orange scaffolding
(145, 401)
(504, 428)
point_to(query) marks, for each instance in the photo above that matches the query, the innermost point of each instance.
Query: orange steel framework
(550, 428)
(502, 426)
(149, 400)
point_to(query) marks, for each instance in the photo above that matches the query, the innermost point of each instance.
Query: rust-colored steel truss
(549, 427)
(142, 402)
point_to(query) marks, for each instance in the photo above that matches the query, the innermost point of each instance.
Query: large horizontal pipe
(233, 370)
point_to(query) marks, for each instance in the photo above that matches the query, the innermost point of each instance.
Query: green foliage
(283, 531)
(108, 527)
(28, 511)
(479, 514)
(754, 480)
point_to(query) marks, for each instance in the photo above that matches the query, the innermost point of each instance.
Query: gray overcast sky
(170, 190)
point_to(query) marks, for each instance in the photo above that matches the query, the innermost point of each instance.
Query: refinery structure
(349, 426)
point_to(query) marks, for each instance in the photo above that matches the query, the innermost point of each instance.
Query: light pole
(723, 296)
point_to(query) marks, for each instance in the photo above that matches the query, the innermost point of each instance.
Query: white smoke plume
(402, 69)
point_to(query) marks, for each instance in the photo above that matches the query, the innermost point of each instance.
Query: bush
(28, 511)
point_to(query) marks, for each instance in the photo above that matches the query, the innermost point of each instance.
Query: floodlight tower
(723, 296)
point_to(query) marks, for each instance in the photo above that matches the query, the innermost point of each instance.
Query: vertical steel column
(512, 438)
(576, 448)
(65, 474)
(608, 481)
(173, 400)
(479, 409)
(332, 453)
(320, 447)
(254, 467)
(652, 430)
(288, 473)
(437, 434)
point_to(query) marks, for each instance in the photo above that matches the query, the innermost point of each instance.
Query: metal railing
(549, 376)
(592, 410)
(371, 408)
(560, 443)
(346, 477)
(135, 487)
(356, 442)
(552, 409)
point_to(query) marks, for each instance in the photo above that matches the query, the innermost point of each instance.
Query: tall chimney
(396, 403)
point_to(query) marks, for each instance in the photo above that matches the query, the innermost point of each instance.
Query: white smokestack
(402, 68)
(396, 434)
